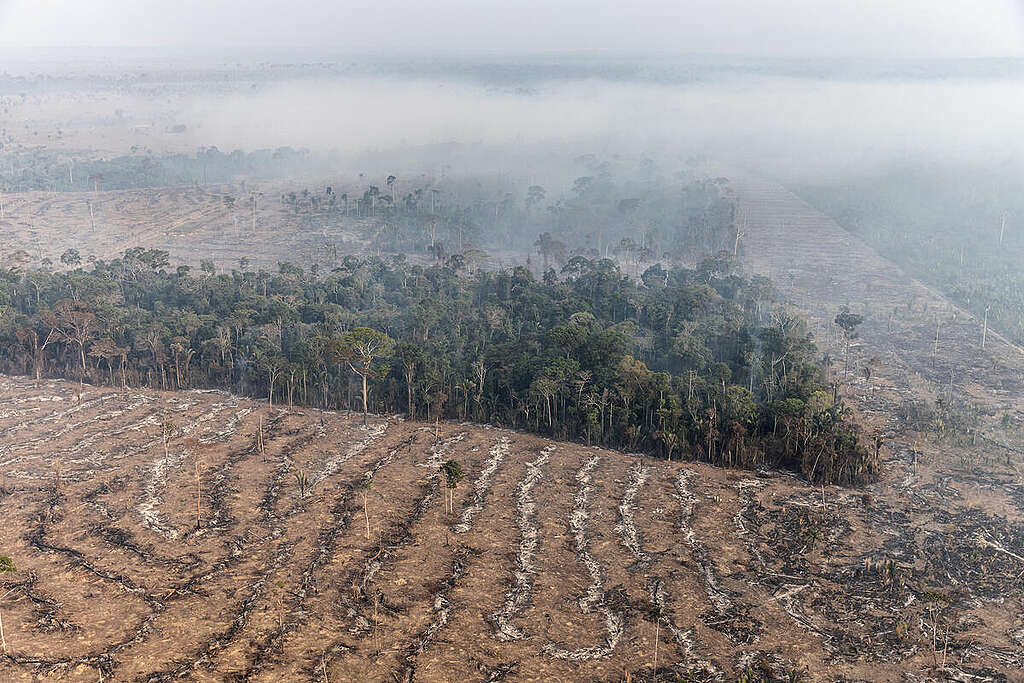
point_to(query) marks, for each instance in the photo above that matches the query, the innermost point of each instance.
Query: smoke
(794, 128)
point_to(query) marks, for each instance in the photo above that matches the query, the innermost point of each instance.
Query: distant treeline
(41, 169)
(696, 363)
(635, 215)
(960, 229)
(633, 212)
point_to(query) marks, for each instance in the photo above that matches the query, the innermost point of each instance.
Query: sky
(794, 28)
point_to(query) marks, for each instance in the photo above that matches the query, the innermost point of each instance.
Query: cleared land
(191, 223)
(560, 562)
(554, 566)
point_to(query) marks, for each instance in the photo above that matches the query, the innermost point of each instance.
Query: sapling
(656, 613)
(167, 430)
(452, 471)
(6, 566)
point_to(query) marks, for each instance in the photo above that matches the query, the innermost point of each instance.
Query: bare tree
(199, 491)
(364, 489)
(984, 329)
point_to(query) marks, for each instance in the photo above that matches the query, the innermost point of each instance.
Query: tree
(182, 353)
(29, 338)
(390, 181)
(253, 196)
(849, 323)
(75, 323)
(108, 351)
(534, 195)
(410, 356)
(362, 350)
(544, 243)
(168, 428)
(6, 566)
(270, 362)
(71, 258)
(452, 473)
(669, 441)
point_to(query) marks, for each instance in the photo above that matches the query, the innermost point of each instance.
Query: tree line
(43, 169)
(699, 363)
(633, 212)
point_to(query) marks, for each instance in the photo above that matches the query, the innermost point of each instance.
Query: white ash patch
(594, 596)
(659, 598)
(626, 528)
(483, 484)
(741, 528)
(152, 490)
(229, 429)
(684, 494)
(155, 478)
(440, 451)
(334, 462)
(519, 593)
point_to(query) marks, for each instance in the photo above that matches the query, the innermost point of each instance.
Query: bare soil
(560, 561)
(191, 223)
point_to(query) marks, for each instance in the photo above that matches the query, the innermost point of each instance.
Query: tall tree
(362, 350)
(75, 324)
(411, 357)
(849, 322)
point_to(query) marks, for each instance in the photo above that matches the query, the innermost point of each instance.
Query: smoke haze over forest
(795, 119)
(555, 340)
(822, 90)
(793, 127)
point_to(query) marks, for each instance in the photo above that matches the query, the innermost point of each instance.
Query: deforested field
(492, 238)
(191, 223)
(324, 551)
(559, 562)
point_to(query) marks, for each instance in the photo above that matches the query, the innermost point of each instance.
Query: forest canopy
(699, 363)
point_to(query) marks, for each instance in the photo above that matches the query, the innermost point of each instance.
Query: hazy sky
(814, 28)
